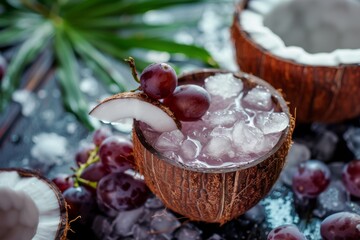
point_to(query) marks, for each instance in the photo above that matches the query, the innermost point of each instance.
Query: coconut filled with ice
(217, 167)
(310, 49)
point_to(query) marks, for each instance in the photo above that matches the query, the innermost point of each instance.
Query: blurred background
(60, 57)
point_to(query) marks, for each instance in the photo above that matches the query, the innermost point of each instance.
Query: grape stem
(131, 63)
(93, 158)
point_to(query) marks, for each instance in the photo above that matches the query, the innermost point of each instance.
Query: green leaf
(124, 7)
(85, 48)
(13, 35)
(68, 76)
(158, 44)
(26, 54)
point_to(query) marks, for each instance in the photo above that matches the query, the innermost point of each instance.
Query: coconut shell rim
(237, 26)
(63, 226)
(241, 76)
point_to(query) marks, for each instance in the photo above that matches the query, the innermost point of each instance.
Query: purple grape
(101, 134)
(158, 80)
(119, 191)
(310, 179)
(63, 181)
(83, 154)
(116, 154)
(95, 172)
(81, 203)
(188, 102)
(286, 232)
(351, 177)
(341, 226)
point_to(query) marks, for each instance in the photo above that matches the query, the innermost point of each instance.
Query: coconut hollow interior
(313, 32)
(321, 86)
(216, 195)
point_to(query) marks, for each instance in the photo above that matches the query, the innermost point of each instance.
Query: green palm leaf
(94, 32)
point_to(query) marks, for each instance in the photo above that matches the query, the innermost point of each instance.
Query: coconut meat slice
(138, 106)
(30, 208)
(310, 32)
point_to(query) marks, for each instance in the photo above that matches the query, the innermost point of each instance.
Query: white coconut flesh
(29, 209)
(310, 32)
(117, 108)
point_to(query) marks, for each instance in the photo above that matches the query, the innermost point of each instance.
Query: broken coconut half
(310, 49)
(31, 207)
(139, 106)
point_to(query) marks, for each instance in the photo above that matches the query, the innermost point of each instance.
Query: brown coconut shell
(212, 195)
(63, 226)
(318, 93)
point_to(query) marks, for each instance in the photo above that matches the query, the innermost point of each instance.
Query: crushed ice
(49, 148)
(27, 100)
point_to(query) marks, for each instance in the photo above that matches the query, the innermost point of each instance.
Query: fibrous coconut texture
(31, 207)
(217, 195)
(310, 49)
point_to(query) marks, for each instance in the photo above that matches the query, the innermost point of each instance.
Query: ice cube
(125, 220)
(271, 122)
(256, 214)
(217, 147)
(336, 169)
(352, 138)
(169, 141)
(221, 131)
(101, 226)
(332, 200)
(164, 222)
(258, 98)
(154, 203)
(247, 138)
(224, 118)
(325, 145)
(141, 232)
(224, 85)
(220, 118)
(190, 148)
(188, 232)
(298, 153)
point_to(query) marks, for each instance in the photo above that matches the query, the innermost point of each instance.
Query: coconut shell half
(216, 195)
(318, 92)
(36, 204)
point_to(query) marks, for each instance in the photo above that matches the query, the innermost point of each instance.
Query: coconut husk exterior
(63, 226)
(318, 93)
(210, 196)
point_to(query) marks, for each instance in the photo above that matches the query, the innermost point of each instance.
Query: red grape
(101, 134)
(116, 154)
(94, 172)
(188, 102)
(158, 80)
(351, 177)
(81, 203)
(83, 154)
(119, 191)
(342, 225)
(311, 178)
(63, 182)
(286, 232)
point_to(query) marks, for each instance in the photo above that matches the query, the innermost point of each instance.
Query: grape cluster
(188, 102)
(310, 179)
(100, 182)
